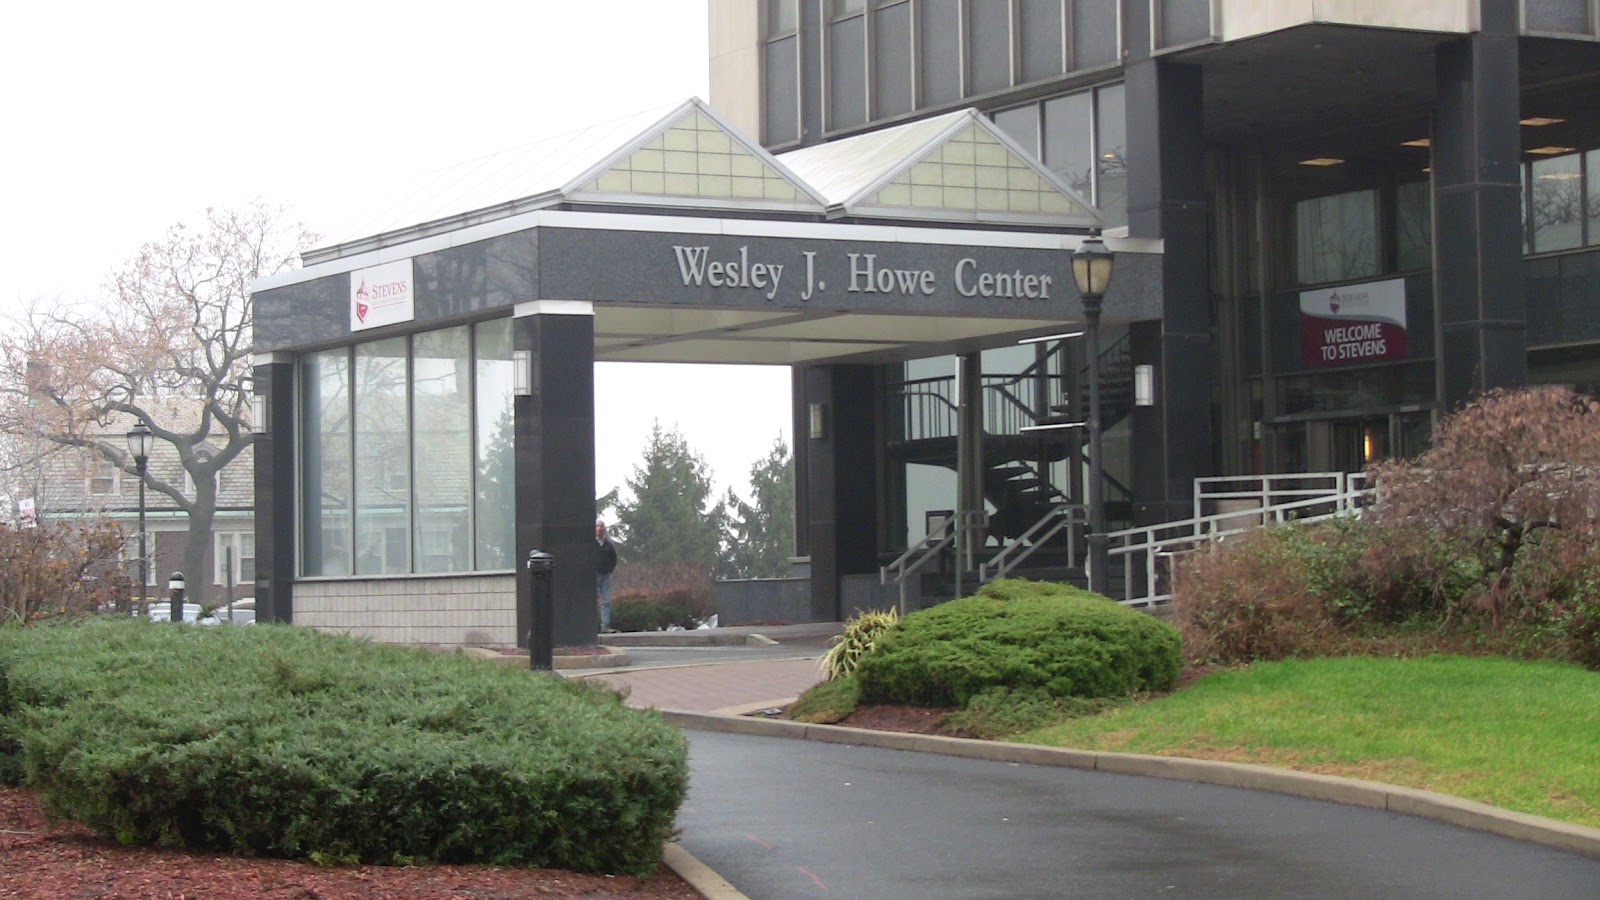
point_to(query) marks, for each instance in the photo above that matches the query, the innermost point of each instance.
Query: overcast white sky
(125, 118)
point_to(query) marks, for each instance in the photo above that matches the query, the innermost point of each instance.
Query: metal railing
(928, 549)
(1051, 524)
(1246, 503)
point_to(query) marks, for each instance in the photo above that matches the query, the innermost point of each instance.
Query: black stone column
(555, 465)
(1480, 316)
(840, 483)
(1167, 199)
(274, 452)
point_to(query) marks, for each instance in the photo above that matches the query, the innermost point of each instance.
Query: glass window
(1336, 237)
(847, 72)
(1069, 141)
(104, 478)
(239, 547)
(1413, 217)
(1022, 125)
(783, 17)
(1095, 37)
(496, 476)
(1556, 203)
(1592, 170)
(781, 109)
(1111, 152)
(382, 462)
(1184, 21)
(1041, 39)
(325, 463)
(989, 33)
(891, 77)
(1559, 16)
(441, 378)
(940, 65)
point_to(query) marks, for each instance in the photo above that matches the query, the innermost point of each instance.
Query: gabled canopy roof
(954, 167)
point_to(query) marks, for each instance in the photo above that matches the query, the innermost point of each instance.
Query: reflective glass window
(1111, 156)
(1413, 217)
(442, 449)
(382, 461)
(1069, 141)
(325, 463)
(495, 481)
(1555, 199)
(1336, 237)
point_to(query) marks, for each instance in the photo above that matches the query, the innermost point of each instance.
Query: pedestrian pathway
(718, 687)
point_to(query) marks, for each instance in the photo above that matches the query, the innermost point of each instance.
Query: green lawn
(1520, 735)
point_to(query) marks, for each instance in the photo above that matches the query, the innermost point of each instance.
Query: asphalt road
(783, 818)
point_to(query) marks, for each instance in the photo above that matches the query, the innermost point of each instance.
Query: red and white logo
(382, 295)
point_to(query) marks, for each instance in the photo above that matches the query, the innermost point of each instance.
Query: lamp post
(139, 443)
(1091, 269)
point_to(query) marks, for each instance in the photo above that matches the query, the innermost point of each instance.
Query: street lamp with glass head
(140, 442)
(1092, 264)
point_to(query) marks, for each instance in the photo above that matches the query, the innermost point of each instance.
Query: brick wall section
(477, 610)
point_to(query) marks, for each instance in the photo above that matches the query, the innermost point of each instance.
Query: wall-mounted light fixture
(1144, 385)
(258, 413)
(818, 421)
(522, 372)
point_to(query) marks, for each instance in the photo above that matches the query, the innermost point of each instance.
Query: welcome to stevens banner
(1357, 323)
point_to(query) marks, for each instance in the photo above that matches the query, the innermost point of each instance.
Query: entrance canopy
(691, 243)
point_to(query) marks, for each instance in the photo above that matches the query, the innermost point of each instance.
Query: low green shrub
(1018, 633)
(861, 633)
(827, 702)
(1000, 712)
(278, 741)
(650, 614)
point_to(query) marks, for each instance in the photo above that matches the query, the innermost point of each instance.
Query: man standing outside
(605, 564)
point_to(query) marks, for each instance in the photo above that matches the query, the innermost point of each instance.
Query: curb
(1581, 839)
(699, 875)
(611, 657)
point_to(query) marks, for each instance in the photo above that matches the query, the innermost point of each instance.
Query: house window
(239, 547)
(104, 479)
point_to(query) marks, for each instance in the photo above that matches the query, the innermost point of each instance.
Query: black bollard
(175, 584)
(541, 647)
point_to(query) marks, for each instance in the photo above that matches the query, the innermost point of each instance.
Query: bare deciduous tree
(173, 333)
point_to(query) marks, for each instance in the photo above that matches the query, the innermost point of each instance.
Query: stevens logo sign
(382, 295)
(1357, 323)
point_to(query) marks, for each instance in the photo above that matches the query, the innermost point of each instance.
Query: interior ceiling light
(1538, 121)
(1552, 151)
(1322, 161)
(1419, 142)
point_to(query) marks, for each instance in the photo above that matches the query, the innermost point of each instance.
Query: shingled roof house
(75, 484)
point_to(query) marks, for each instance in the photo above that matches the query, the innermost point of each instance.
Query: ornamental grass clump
(1021, 634)
(861, 633)
(285, 742)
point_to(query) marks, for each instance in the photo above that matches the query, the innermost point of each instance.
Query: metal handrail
(1059, 517)
(1158, 543)
(919, 554)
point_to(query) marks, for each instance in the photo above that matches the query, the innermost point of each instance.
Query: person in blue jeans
(605, 564)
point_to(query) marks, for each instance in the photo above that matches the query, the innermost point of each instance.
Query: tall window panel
(442, 449)
(939, 27)
(1069, 141)
(325, 477)
(1022, 125)
(1413, 221)
(1096, 39)
(1183, 22)
(382, 460)
(495, 481)
(891, 74)
(989, 37)
(1555, 198)
(781, 73)
(1336, 237)
(1040, 32)
(847, 63)
(1111, 155)
(1592, 180)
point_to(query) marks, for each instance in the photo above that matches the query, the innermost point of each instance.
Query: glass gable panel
(695, 157)
(973, 170)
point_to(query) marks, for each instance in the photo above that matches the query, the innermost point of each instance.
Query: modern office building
(1333, 221)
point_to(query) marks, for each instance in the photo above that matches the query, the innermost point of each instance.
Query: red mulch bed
(64, 860)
